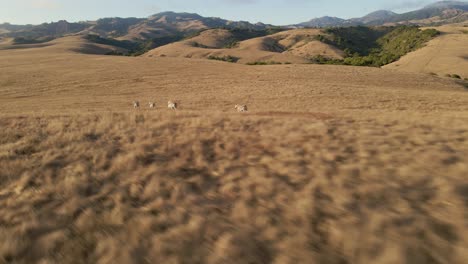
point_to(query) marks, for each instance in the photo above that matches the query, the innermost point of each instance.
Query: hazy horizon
(277, 12)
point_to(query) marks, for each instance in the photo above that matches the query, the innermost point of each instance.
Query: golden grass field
(332, 164)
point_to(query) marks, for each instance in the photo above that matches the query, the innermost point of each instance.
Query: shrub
(433, 73)
(114, 53)
(198, 45)
(24, 40)
(228, 58)
(456, 76)
(257, 63)
(124, 44)
(232, 43)
(264, 63)
(319, 59)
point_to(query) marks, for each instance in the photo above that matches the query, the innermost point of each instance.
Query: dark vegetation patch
(266, 63)
(125, 44)
(464, 83)
(355, 40)
(199, 45)
(374, 46)
(154, 42)
(320, 59)
(228, 58)
(133, 48)
(455, 76)
(26, 40)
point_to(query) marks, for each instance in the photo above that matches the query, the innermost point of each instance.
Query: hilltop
(292, 46)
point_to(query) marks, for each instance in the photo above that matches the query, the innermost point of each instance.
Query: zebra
(172, 105)
(241, 108)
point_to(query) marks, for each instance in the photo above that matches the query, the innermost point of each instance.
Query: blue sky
(278, 12)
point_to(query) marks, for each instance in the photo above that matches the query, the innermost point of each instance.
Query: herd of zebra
(173, 106)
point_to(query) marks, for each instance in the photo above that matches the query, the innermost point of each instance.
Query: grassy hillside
(241, 34)
(368, 46)
(134, 48)
(444, 55)
(139, 47)
(22, 40)
(354, 40)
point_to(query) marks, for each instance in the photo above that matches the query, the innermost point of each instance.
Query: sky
(277, 12)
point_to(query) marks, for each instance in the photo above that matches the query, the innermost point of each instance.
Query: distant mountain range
(439, 13)
(168, 27)
(162, 25)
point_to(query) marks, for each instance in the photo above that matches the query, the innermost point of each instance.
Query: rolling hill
(359, 46)
(69, 44)
(292, 46)
(446, 54)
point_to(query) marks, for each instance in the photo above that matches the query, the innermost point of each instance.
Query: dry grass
(331, 165)
(147, 188)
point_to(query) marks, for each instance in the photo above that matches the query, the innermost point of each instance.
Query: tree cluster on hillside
(374, 46)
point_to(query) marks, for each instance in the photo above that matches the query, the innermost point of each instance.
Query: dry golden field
(332, 164)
